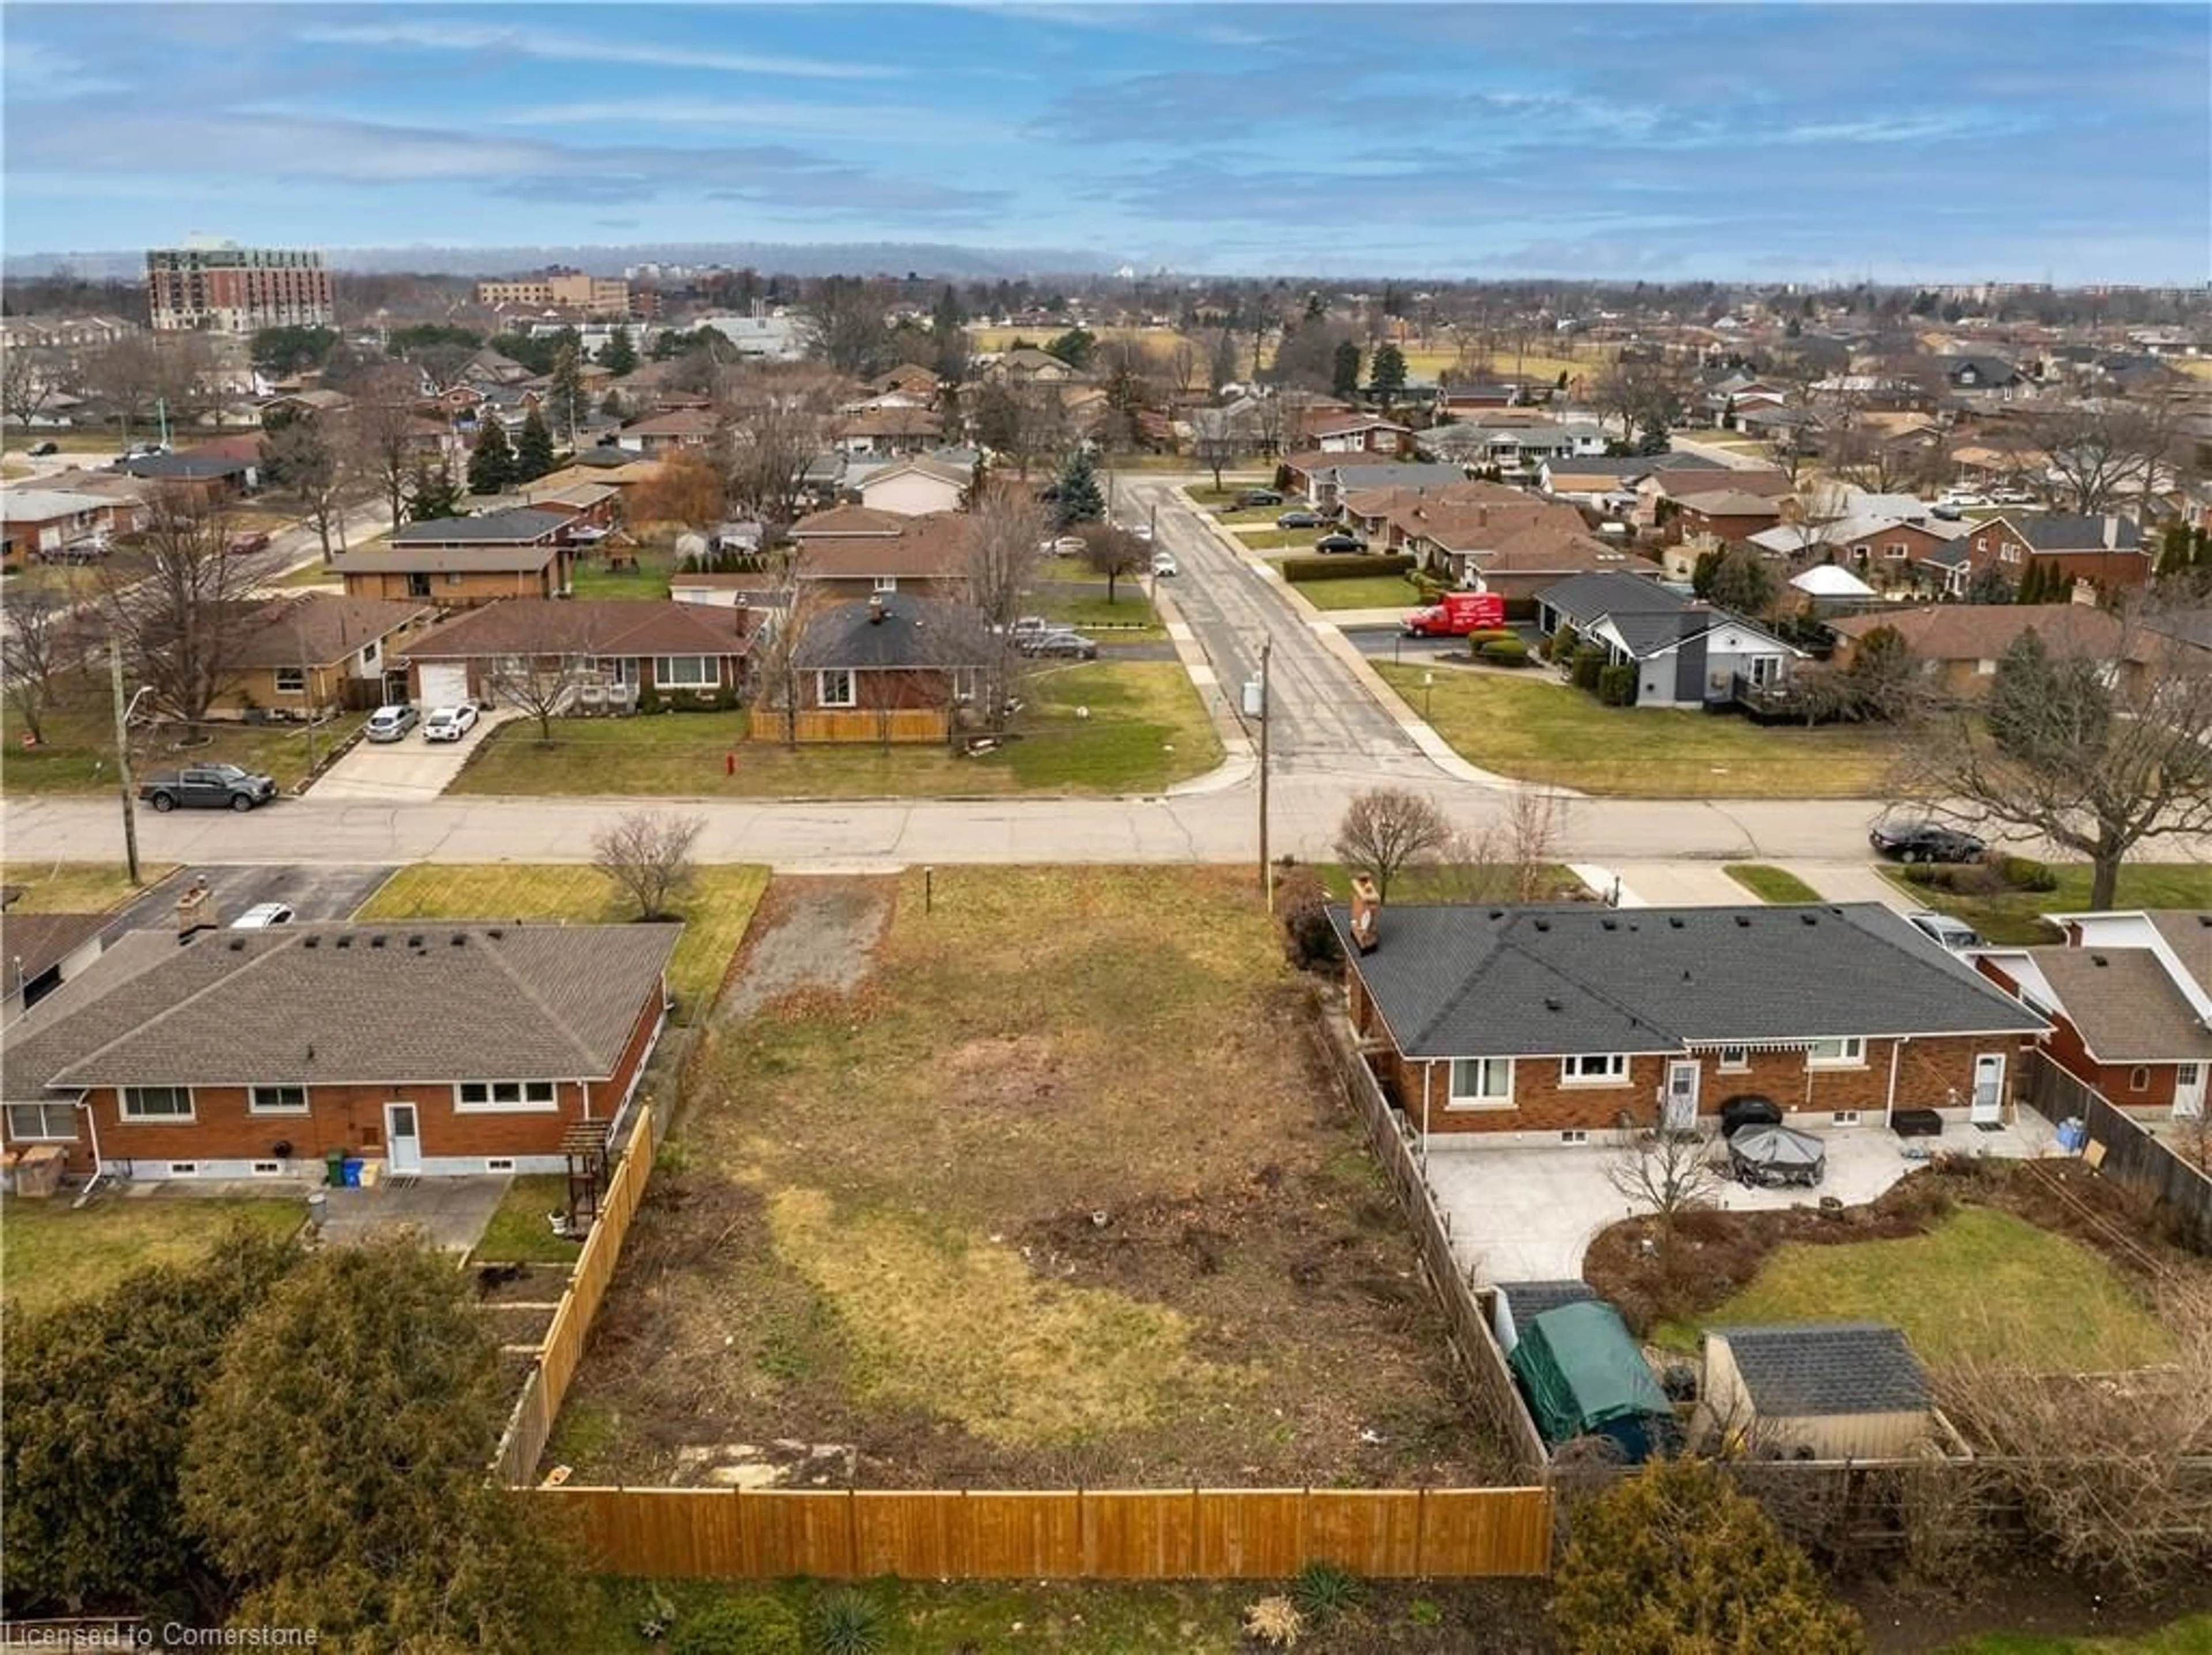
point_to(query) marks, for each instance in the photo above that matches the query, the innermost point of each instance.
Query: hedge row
(1344, 566)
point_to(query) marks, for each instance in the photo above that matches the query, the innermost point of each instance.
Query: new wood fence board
(1021, 1535)
(1477, 1531)
(1251, 1534)
(1140, 1534)
(797, 1531)
(1371, 1531)
(916, 1535)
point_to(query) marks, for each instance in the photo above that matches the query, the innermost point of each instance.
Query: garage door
(445, 684)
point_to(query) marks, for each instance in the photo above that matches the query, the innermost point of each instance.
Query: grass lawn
(518, 1232)
(593, 579)
(2192, 1636)
(1535, 727)
(2012, 917)
(1253, 517)
(1130, 607)
(1146, 729)
(78, 755)
(307, 574)
(715, 912)
(1275, 539)
(51, 1255)
(1982, 1285)
(76, 887)
(1771, 884)
(1449, 882)
(1363, 591)
(957, 1198)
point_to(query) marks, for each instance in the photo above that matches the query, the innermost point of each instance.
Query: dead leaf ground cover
(1056, 1193)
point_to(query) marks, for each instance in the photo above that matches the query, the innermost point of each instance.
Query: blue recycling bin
(353, 1175)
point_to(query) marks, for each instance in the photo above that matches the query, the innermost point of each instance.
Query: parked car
(1252, 498)
(145, 450)
(1956, 935)
(243, 545)
(1142, 531)
(391, 721)
(1062, 645)
(1164, 564)
(2012, 497)
(1916, 841)
(1962, 498)
(1455, 615)
(1300, 520)
(1068, 545)
(1342, 540)
(208, 787)
(262, 915)
(1031, 626)
(40, 450)
(449, 723)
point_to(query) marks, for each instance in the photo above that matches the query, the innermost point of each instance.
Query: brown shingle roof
(321, 628)
(1544, 549)
(1374, 502)
(676, 422)
(2124, 1004)
(597, 626)
(934, 546)
(2189, 934)
(892, 423)
(1459, 528)
(507, 1002)
(850, 520)
(1682, 484)
(33, 944)
(1985, 631)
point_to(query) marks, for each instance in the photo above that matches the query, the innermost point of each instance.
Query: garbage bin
(318, 1210)
(334, 1163)
(350, 1174)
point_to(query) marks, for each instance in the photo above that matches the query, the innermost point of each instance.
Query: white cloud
(528, 41)
(823, 119)
(37, 72)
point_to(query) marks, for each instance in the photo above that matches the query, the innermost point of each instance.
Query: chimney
(1366, 913)
(876, 608)
(196, 908)
(741, 615)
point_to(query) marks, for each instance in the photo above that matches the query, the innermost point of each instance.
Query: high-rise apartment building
(558, 288)
(222, 287)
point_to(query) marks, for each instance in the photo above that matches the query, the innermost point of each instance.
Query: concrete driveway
(410, 769)
(1529, 1214)
(330, 891)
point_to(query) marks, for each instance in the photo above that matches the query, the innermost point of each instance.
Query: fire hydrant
(730, 763)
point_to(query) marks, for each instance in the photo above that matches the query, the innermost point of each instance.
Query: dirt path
(809, 934)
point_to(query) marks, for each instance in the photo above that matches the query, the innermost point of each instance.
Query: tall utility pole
(1267, 717)
(123, 761)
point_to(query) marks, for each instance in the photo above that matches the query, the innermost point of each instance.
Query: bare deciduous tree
(30, 377)
(1639, 394)
(2099, 454)
(1113, 552)
(648, 854)
(767, 448)
(37, 644)
(380, 433)
(1666, 1174)
(1385, 831)
(180, 610)
(1005, 542)
(846, 316)
(544, 678)
(1214, 440)
(302, 459)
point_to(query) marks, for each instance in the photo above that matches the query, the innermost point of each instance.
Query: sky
(1777, 141)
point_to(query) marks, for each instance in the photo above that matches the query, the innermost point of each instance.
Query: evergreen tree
(566, 393)
(1075, 347)
(1388, 374)
(1221, 362)
(1315, 310)
(619, 354)
(491, 462)
(1990, 585)
(433, 493)
(1079, 501)
(533, 451)
(1343, 371)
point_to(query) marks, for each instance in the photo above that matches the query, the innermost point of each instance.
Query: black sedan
(1339, 541)
(1925, 842)
(1300, 520)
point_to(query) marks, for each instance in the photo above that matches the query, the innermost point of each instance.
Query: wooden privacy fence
(900, 724)
(1184, 1534)
(531, 1422)
(2132, 1157)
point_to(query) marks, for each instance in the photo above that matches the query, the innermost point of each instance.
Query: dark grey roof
(1954, 555)
(516, 526)
(1629, 467)
(2052, 531)
(326, 1004)
(1588, 596)
(1550, 980)
(1350, 479)
(1530, 1299)
(185, 468)
(1988, 370)
(1837, 1368)
(913, 632)
(608, 456)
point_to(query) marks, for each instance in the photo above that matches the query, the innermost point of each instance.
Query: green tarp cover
(1582, 1371)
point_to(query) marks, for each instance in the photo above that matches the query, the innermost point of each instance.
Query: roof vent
(378, 940)
(460, 940)
(1744, 920)
(1543, 925)
(1809, 919)
(1674, 922)
(415, 940)
(237, 944)
(342, 942)
(496, 934)
(2099, 961)
(1497, 913)
(311, 941)
(1610, 925)
(1551, 1003)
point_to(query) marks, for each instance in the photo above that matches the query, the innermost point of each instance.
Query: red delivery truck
(1458, 614)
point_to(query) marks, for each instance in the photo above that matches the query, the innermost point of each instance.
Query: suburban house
(1452, 539)
(608, 651)
(888, 431)
(1325, 478)
(212, 479)
(42, 952)
(1960, 645)
(2128, 997)
(1027, 365)
(456, 562)
(923, 557)
(1879, 547)
(1609, 481)
(441, 1048)
(915, 487)
(1979, 375)
(1686, 654)
(2109, 550)
(1838, 1390)
(62, 525)
(664, 432)
(1534, 560)
(1355, 433)
(1727, 515)
(1512, 443)
(889, 667)
(1562, 1022)
(1381, 514)
(908, 379)
(302, 656)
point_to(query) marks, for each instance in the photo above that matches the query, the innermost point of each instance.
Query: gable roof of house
(1732, 502)
(2126, 1007)
(33, 944)
(1544, 981)
(890, 422)
(1548, 548)
(1806, 1370)
(1337, 425)
(1986, 369)
(1461, 491)
(1589, 597)
(678, 422)
(401, 1003)
(850, 520)
(1628, 468)
(2188, 931)
(318, 628)
(889, 633)
(1389, 474)
(517, 526)
(1831, 580)
(929, 465)
(2054, 532)
(1681, 482)
(48, 505)
(597, 626)
(185, 468)
(1985, 631)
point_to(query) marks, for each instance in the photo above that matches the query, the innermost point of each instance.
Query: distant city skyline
(2068, 144)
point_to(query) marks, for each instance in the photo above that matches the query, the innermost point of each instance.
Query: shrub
(1322, 566)
(1483, 635)
(742, 1626)
(1588, 660)
(848, 1622)
(648, 699)
(1561, 645)
(1928, 874)
(1324, 1590)
(1616, 685)
(1274, 1622)
(2025, 873)
(1302, 909)
(1505, 652)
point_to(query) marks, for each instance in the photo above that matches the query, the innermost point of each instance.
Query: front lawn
(1534, 727)
(1274, 539)
(715, 910)
(53, 1255)
(1363, 591)
(2013, 916)
(78, 755)
(1771, 884)
(1143, 728)
(1130, 607)
(77, 887)
(1983, 1286)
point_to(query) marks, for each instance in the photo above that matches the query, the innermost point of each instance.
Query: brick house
(316, 652)
(2128, 996)
(850, 557)
(892, 652)
(2108, 551)
(457, 562)
(443, 1048)
(888, 431)
(62, 525)
(1553, 1021)
(1355, 433)
(615, 648)
(1960, 645)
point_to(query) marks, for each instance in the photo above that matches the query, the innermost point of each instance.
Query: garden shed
(1584, 1376)
(1834, 1391)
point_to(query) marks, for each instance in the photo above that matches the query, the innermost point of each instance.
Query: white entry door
(1680, 1114)
(403, 1136)
(1987, 1107)
(2188, 1090)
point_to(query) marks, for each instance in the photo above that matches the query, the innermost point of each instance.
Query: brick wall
(2071, 1053)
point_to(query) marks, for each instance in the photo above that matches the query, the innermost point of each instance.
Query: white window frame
(822, 695)
(885, 583)
(45, 1134)
(125, 1096)
(254, 1105)
(1897, 551)
(702, 676)
(2008, 553)
(1734, 1060)
(298, 684)
(521, 1100)
(1595, 1068)
(1486, 1072)
(1849, 1052)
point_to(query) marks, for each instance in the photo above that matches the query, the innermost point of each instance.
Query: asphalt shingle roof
(1841, 1367)
(2126, 1006)
(2048, 532)
(1588, 597)
(913, 632)
(1551, 980)
(517, 526)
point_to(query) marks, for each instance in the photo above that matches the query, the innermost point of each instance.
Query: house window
(2139, 1079)
(157, 1103)
(276, 1100)
(835, 688)
(418, 586)
(1981, 543)
(291, 680)
(1848, 1052)
(684, 672)
(1600, 1068)
(368, 656)
(885, 583)
(2009, 554)
(1734, 1060)
(1481, 1083)
(1897, 551)
(453, 578)
(50, 1122)
(502, 1096)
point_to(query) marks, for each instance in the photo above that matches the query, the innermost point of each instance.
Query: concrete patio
(450, 1213)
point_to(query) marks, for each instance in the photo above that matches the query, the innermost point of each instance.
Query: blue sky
(1921, 143)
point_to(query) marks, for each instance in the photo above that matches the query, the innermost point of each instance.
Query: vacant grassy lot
(518, 1232)
(1128, 607)
(1982, 1285)
(2013, 917)
(77, 887)
(1366, 592)
(2192, 1636)
(1145, 728)
(715, 910)
(1538, 728)
(78, 755)
(51, 1255)
(1771, 884)
(1269, 538)
(1045, 1188)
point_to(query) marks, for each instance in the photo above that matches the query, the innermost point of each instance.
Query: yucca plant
(1324, 1590)
(848, 1622)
